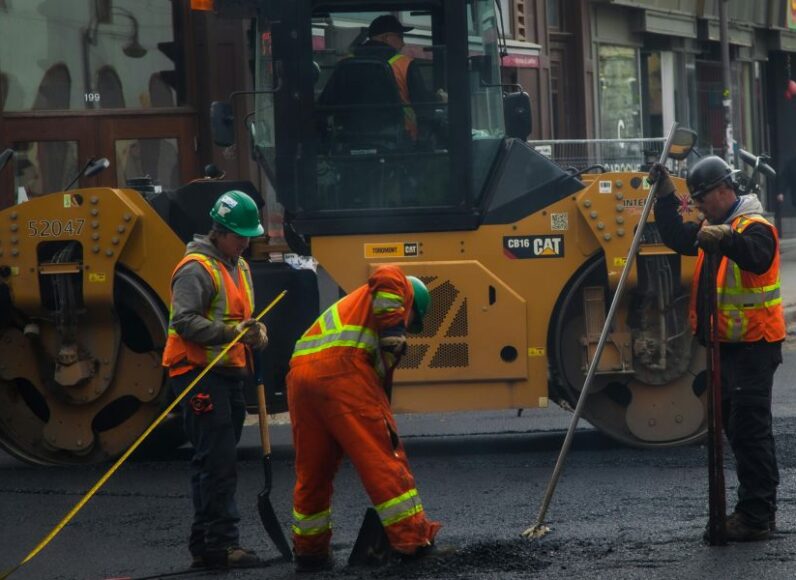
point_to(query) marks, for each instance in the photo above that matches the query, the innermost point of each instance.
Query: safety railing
(613, 154)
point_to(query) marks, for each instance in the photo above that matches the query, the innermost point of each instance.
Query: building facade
(132, 80)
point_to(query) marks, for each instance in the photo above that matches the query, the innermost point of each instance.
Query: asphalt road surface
(617, 513)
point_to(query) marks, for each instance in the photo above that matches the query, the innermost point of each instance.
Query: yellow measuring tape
(84, 500)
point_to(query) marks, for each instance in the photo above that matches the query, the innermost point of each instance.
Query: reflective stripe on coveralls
(232, 303)
(336, 334)
(750, 305)
(399, 508)
(312, 525)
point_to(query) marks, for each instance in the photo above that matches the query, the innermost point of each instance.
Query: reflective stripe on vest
(399, 508)
(313, 524)
(333, 333)
(400, 68)
(232, 303)
(749, 305)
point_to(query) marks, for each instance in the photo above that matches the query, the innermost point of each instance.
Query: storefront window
(156, 159)
(80, 54)
(620, 102)
(653, 94)
(43, 166)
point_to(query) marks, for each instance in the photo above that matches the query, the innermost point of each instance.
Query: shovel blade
(272, 526)
(372, 547)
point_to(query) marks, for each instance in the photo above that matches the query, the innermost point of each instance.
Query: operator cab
(352, 151)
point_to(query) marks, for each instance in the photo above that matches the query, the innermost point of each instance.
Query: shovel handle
(262, 412)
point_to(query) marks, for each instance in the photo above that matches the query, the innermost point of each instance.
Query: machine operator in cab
(339, 374)
(212, 302)
(751, 324)
(385, 41)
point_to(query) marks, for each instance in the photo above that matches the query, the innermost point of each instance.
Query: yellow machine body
(497, 294)
(105, 256)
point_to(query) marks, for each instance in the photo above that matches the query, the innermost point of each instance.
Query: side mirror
(222, 123)
(682, 143)
(517, 115)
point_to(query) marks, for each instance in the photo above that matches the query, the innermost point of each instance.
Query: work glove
(393, 344)
(709, 237)
(256, 334)
(659, 173)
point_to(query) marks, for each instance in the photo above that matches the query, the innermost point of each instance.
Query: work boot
(231, 557)
(198, 561)
(739, 531)
(315, 563)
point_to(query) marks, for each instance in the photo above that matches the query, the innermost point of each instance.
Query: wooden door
(52, 149)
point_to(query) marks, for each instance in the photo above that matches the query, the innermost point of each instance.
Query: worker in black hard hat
(385, 41)
(751, 324)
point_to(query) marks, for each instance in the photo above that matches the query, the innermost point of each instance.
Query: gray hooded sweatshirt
(192, 290)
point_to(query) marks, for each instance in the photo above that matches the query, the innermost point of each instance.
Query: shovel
(372, 547)
(264, 507)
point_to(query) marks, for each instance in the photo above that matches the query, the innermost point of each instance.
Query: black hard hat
(387, 23)
(707, 173)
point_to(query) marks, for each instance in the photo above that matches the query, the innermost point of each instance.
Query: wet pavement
(617, 513)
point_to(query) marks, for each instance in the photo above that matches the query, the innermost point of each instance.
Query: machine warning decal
(559, 222)
(646, 183)
(620, 262)
(96, 277)
(527, 247)
(605, 186)
(535, 351)
(392, 250)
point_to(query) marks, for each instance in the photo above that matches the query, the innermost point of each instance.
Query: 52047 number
(55, 228)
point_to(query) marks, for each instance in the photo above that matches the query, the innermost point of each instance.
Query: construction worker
(385, 41)
(211, 303)
(339, 373)
(751, 325)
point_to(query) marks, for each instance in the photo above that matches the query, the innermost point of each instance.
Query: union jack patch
(686, 204)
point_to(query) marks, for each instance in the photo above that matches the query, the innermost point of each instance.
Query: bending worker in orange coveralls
(338, 405)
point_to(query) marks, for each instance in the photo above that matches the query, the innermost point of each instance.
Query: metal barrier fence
(613, 154)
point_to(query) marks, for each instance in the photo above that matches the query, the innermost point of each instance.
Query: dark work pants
(214, 436)
(747, 374)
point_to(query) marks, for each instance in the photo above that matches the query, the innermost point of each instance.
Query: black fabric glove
(659, 174)
(394, 344)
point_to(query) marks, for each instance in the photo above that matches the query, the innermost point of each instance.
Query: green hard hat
(237, 212)
(420, 305)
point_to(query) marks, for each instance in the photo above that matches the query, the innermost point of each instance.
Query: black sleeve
(418, 92)
(680, 236)
(753, 249)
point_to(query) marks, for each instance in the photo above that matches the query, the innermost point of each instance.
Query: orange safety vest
(351, 325)
(749, 305)
(233, 303)
(400, 68)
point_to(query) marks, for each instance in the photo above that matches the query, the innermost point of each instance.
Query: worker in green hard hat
(340, 375)
(212, 302)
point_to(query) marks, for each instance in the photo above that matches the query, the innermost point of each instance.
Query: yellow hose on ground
(84, 500)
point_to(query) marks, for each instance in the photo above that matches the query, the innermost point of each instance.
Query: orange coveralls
(338, 405)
